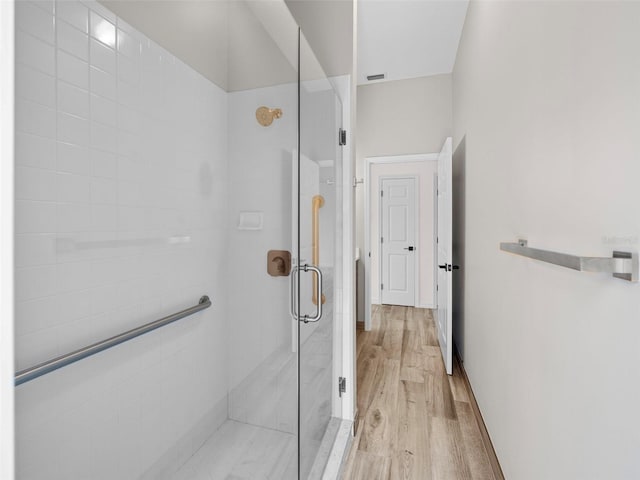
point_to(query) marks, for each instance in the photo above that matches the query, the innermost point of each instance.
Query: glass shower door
(262, 126)
(320, 167)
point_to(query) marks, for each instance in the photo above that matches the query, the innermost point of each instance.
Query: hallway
(415, 422)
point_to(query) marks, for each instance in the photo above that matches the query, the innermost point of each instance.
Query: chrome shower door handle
(295, 278)
(318, 315)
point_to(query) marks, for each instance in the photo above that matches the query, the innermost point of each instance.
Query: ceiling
(328, 27)
(408, 38)
(242, 44)
(245, 44)
(236, 44)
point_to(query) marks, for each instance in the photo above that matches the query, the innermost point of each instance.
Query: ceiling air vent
(379, 76)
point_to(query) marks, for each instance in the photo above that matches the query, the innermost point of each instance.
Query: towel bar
(622, 265)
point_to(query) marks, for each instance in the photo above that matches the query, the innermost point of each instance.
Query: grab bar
(49, 366)
(316, 204)
(622, 265)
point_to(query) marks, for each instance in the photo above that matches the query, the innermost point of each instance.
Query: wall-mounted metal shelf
(622, 265)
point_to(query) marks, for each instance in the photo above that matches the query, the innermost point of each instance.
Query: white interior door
(444, 322)
(398, 241)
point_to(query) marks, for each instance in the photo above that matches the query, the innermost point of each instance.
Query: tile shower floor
(247, 451)
(238, 451)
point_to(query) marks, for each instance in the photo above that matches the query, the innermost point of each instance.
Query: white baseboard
(375, 301)
(427, 305)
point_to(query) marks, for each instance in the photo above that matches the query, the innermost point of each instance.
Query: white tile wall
(37, 86)
(121, 177)
(75, 13)
(262, 325)
(35, 53)
(35, 20)
(35, 151)
(72, 40)
(72, 69)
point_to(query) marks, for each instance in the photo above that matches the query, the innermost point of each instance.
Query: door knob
(448, 267)
(409, 248)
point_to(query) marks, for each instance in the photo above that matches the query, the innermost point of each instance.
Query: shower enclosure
(167, 151)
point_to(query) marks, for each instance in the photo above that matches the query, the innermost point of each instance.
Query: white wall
(546, 116)
(425, 265)
(121, 187)
(398, 118)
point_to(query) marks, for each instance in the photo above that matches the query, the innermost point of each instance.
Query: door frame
(416, 233)
(368, 163)
(444, 178)
(7, 100)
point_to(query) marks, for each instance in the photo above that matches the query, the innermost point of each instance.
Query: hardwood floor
(415, 421)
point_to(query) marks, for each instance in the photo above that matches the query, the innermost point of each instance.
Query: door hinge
(382, 193)
(342, 385)
(382, 286)
(381, 239)
(342, 137)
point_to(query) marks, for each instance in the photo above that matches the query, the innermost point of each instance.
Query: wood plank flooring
(415, 422)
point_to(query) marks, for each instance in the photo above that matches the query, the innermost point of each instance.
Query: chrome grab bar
(49, 366)
(622, 265)
(295, 274)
